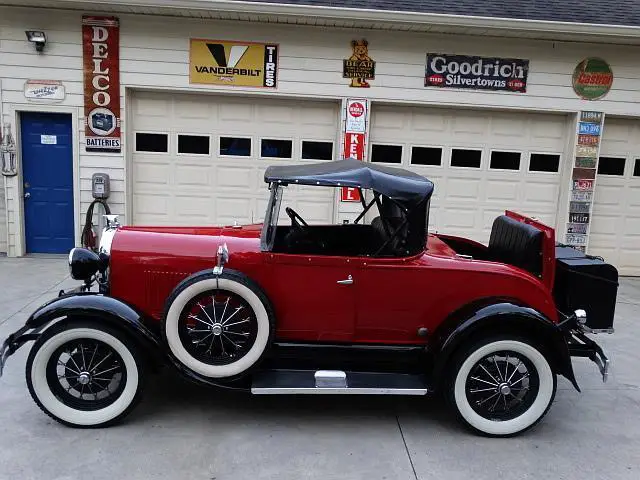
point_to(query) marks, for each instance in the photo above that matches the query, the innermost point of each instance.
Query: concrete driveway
(181, 431)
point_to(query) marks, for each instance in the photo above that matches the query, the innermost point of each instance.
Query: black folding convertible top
(400, 185)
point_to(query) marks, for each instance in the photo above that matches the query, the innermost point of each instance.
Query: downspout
(6, 185)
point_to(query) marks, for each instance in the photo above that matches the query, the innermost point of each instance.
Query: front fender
(495, 317)
(105, 308)
(112, 311)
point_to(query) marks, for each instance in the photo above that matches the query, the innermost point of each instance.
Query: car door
(313, 296)
(392, 301)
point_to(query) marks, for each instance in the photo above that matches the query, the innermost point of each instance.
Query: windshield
(268, 236)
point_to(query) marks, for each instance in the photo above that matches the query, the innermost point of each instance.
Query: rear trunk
(587, 283)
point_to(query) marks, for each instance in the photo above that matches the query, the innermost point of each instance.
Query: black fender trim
(119, 315)
(499, 316)
(98, 306)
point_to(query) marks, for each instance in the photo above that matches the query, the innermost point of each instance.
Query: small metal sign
(585, 128)
(359, 67)
(592, 117)
(580, 228)
(578, 218)
(588, 140)
(576, 239)
(592, 78)
(580, 173)
(581, 195)
(586, 162)
(579, 207)
(583, 184)
(48, 140)
(35, 90)
(586, 151)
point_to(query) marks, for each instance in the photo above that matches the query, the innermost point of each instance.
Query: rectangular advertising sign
(101, 61)
(235, 64)
(478, 73)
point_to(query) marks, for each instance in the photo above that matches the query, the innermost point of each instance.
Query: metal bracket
(223, 257)
(591, 350)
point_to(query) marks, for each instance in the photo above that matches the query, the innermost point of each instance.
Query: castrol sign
(101, 60)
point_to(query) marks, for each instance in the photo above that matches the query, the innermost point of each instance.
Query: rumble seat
(517, 244)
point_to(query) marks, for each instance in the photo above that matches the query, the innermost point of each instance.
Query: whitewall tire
(218, 327)
(84, 373)
(501, 386)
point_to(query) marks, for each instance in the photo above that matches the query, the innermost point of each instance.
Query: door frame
(15, 113)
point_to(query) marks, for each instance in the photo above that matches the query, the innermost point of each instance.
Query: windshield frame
(268, 234)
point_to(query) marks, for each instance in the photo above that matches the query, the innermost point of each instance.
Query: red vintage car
(379, 307)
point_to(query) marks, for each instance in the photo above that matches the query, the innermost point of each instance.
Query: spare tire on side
(219, 326)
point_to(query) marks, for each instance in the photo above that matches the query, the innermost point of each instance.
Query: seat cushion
(517, 244)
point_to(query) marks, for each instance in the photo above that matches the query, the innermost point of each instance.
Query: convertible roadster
(377, 306)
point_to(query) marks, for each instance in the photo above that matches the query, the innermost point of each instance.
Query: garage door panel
(539, 193)
(231, 209)
(212, 189)
(616, 207)
(193, 175)
(458, 217)
(193, 110)
(389, 119)
(463, 188)
(509, 127)
(501, 190)
(474, 125)
(428, 122)
(151, 204)
(242, 177)
(472, 197)
(152, 173)
(194, 206)
(239, 113)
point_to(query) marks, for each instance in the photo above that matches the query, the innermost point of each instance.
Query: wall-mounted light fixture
(8, 152)
(38, 37)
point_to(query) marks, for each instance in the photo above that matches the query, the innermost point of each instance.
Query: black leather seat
(517, 244)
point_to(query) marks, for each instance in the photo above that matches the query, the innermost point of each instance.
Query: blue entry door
(47, 170)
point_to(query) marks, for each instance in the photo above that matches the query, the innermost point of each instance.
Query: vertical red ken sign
(354, 140)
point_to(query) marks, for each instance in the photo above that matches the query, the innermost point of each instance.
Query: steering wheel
(296, 220)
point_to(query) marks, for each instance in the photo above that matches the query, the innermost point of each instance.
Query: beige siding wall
(154, 54)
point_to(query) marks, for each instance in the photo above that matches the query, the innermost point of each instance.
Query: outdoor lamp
(8, 152)
(37, 37)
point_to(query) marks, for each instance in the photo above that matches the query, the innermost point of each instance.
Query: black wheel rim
(217, 327)
(86, 374)
(502, 386)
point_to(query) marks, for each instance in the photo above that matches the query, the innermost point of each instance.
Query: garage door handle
(348, 281)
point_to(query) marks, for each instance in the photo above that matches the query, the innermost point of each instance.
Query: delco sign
(477, 73)
(101, 59)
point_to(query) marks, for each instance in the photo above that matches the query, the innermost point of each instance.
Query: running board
(336, 382)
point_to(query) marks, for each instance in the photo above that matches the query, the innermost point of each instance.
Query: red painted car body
(389, 301)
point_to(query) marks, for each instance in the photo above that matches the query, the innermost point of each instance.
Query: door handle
(348, 281)
(27, 195)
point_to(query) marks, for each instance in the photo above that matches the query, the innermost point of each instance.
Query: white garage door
(482, 163)
(615, 227)
(200, 160)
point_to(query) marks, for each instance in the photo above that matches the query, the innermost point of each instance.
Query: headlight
(83, 263)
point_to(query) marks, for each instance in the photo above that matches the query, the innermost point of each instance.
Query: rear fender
(496, 317)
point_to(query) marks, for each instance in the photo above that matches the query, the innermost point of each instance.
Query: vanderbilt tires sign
(477, 73)
(239, 64)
